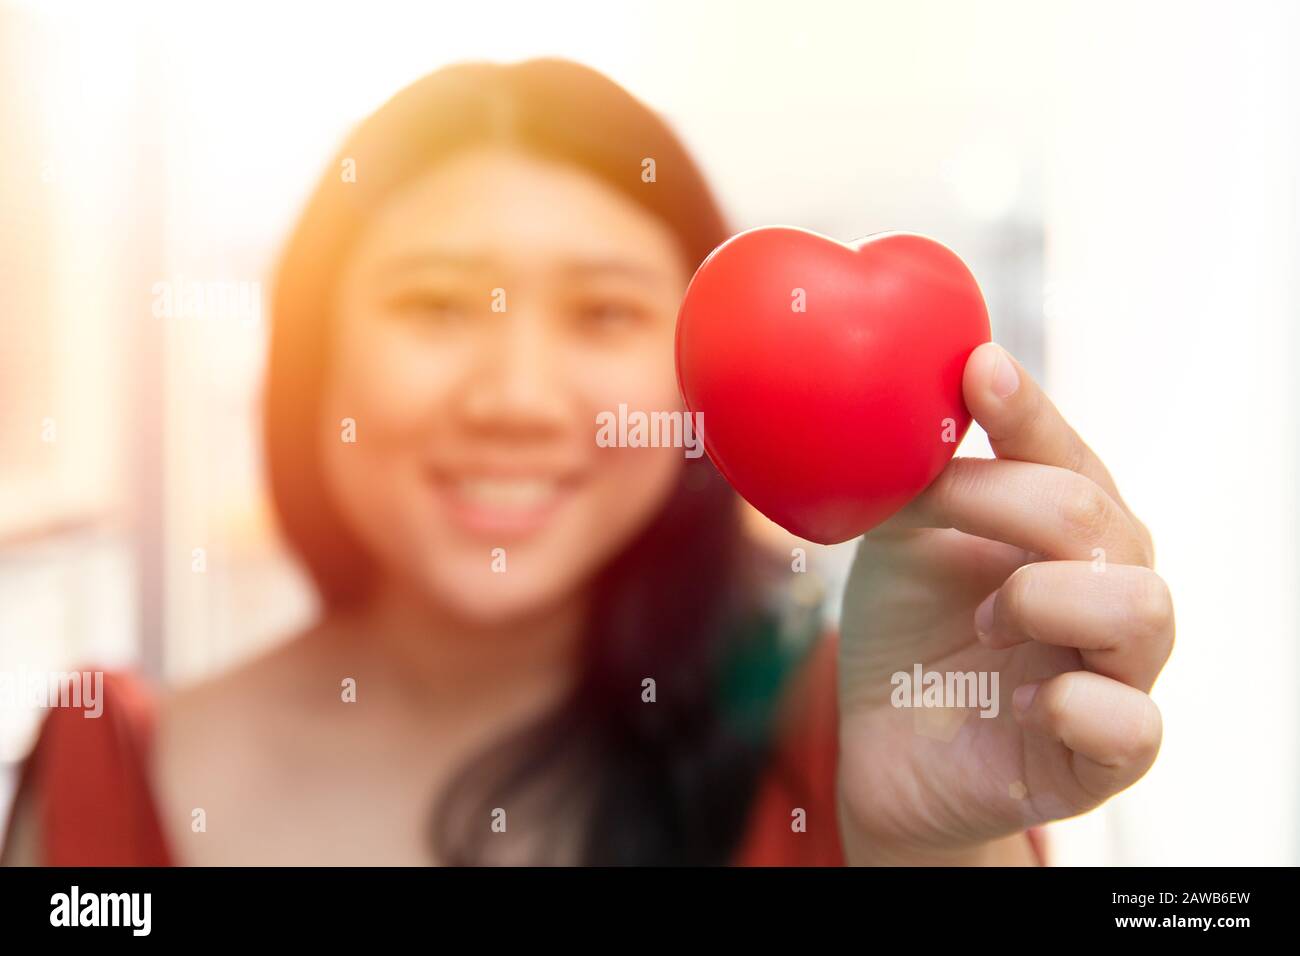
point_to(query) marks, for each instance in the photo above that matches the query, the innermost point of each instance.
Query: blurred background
(1122, 179)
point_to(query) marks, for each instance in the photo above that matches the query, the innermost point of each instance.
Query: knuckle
(1076, 452)
(1138, 748)
(1056, 701)
(1015, 596)
(958, 481)
(943, 491)
(1147, 542)
(1128, 749)
(1152, 731)
(1034, 419)
(1086, 511)
(1150, 606)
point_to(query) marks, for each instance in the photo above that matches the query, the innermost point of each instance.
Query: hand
(1030, 566)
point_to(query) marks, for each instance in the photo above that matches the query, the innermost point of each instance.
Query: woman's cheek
(385, 395)
(396, 381)
(635, 481)
(635, 484)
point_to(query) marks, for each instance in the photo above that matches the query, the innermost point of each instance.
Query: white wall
(1172, 254)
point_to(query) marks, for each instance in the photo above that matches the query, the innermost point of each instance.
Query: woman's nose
(515, 382)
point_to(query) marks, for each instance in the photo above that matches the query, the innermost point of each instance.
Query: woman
(535, 649)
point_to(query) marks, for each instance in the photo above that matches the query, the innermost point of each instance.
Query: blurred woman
(533, 649)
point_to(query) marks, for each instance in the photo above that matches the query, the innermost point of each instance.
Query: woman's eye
(429, 308)
(606, 317)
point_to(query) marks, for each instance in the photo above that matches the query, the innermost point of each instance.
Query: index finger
(1021, 421)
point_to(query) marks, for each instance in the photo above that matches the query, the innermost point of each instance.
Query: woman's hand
(1029, 566)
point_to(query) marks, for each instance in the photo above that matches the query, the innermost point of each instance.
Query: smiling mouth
(501, 505)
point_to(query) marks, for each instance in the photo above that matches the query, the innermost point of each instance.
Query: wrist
(863, 848)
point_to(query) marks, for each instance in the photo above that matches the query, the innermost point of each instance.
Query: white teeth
(520, 493)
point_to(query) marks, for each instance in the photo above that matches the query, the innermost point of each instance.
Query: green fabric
(757, 670)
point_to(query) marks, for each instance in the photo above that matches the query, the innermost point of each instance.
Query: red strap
(89, 777)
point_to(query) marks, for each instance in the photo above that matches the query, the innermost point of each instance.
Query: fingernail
(984, 618)
(1005, 377)
(1022, 698)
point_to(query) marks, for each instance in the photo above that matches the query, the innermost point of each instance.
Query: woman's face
(490, 310)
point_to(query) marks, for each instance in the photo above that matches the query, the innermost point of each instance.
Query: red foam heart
(829, 420)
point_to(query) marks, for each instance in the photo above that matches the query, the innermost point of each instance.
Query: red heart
(829, 420)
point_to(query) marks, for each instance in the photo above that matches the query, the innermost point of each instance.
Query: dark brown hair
(657, 783)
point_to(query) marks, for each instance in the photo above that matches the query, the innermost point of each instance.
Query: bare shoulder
(282, 678)
(228, 744)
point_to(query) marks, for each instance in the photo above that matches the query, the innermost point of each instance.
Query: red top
(95, 806)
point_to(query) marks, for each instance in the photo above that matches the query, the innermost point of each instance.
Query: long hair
(666, 782)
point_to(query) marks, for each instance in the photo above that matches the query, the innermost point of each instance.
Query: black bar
(980, 908)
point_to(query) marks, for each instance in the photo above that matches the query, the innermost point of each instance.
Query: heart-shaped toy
(828, 376)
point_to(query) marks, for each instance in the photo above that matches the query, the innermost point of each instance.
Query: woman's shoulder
(83, 795)
(91, 792)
